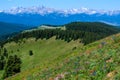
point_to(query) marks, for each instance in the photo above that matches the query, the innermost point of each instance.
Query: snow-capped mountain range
(43, 15)
(44, 10)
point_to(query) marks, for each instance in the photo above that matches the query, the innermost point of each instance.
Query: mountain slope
(57, 51)
(93, 61)
(43, 51)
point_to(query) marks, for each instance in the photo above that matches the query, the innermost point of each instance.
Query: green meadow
(69, 61)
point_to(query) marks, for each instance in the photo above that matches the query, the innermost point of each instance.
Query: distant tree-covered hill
(96, 27)
(7, 29)
(86, 32)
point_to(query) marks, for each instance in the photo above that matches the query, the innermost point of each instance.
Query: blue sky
(62, 4)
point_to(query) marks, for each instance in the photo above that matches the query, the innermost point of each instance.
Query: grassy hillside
(61, 53)
(44, 51)
(97, 61)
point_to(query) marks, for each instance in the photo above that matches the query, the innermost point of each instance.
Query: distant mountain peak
(34, 9)
(45, 10)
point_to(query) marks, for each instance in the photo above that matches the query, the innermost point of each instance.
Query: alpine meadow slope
(66, 53)
(98, 60)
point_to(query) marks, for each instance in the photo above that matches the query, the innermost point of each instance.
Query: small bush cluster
(30, 52)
